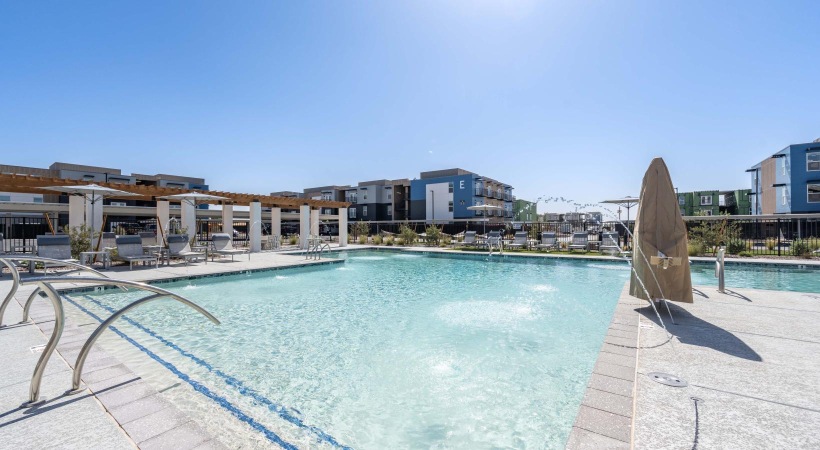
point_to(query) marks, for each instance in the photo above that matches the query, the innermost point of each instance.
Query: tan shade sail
(660, 256)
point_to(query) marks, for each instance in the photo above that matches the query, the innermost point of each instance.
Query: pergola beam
(33, 184)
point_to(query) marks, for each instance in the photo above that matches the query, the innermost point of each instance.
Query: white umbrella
(484, 208)
(94, 190)
(193, 198)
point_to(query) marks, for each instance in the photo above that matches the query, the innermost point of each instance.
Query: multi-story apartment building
(446, 194)
(712, 203)
(788, 182)
(333, 193)
(378, 200)
(524, 211)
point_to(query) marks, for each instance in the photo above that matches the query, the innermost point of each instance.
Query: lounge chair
(548, 241)
(109, 241)
(519, 240)
(2, 244)
(179, 247)
(129, 249)
(610, 243)
(580, 241)
(469, 240)
(54, 247)
(222, 245)
(148, 238)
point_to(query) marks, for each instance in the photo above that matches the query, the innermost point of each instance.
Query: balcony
(351, 200)
(478, 191)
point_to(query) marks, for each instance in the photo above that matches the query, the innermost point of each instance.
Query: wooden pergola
(32, 184)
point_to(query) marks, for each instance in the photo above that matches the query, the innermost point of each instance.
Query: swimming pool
(391, 350)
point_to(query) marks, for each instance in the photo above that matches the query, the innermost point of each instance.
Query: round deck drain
(667, 379)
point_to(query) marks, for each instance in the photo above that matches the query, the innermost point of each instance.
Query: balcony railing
(351, 200)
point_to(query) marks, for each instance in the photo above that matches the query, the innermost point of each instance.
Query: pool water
(790, 278)
(391, 350)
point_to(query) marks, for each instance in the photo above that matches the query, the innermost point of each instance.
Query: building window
(450, 187)
(351, 213)
(389, 196)
(450, 206)
(783, 165)
(813, 161)
(364, 211)
(706, 200)
(5, 198)
(681, 200)
(38, 199)
(389, 210)
(813, 192)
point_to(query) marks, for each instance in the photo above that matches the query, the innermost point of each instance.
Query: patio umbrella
(627, 202)
(485, 208)
(94, 190)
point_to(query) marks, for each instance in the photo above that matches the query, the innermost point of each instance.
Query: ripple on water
(368, 258)
(544, 288)
(280, 277)
(610, 266)
(485, 313)
(407, 256)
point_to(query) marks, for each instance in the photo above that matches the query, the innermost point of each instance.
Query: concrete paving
(750, 358)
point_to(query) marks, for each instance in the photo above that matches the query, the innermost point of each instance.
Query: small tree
(713, 233)
(433, 234)
(408, 235)
(360, 228)
(80, 238)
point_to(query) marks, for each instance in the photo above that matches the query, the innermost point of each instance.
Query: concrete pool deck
(748, 355)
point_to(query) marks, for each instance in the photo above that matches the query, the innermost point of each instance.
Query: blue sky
(565, 99)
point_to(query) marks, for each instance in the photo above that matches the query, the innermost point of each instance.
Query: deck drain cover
(667, 379)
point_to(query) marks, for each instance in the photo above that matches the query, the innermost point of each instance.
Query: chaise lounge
(223, 245)
(129, 249)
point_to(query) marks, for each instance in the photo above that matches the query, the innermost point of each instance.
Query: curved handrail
(59, 322)
(44, 283)
(7, 261)
(78, 367)
(14, 285)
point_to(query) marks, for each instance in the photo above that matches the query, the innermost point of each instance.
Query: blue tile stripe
(199, 387)
(231, 381)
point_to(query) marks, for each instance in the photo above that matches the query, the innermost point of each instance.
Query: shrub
(293, 240)
(363, 239)
(388, 241)
(771, 243)
(712, 233)
(695, 248)
(399, 241)
(408, 235)
(80, 238)
(359, 228)
(801, 247)
(433, 235)
(377, 240)
(446, 240)
(735, 246)
(745, 254)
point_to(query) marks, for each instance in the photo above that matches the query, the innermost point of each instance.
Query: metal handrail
(720, 269)
(59, 323)
(7, 261)
(44, 283)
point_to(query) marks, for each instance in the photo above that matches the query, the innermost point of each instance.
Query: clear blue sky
(556, 98)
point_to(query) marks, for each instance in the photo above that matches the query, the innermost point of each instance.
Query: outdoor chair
(148, 238)
(494, 240)
(580, 241)
(519, 240)
(108, 241)
(180, 247)
(548, 241)
(2, 244)
(222, 245)
(54, 247)
(610, 242)
(129, 249)
(469, 240)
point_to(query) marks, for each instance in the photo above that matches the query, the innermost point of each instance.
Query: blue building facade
(446, 195)
(787, 182)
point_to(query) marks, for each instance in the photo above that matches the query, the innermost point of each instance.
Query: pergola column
(227, 220)
(304, 225)
(76, 210)
(188, 211)
(255, 227)
(276, 222)
(314, 222)
(342, 227)
(163, 220)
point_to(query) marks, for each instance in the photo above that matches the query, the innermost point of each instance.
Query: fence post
(779, 232)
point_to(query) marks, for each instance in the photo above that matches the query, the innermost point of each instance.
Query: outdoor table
(88, 257)
(593, 245)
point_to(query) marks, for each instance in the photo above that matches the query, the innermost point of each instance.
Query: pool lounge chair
(519, 240)
(129, 249)
(54, 247)
(494, 240)
(179, 247)
(108, 241)
(610, 243)
(469, 240)
(580, 241)
(548, 241)
(222, 245)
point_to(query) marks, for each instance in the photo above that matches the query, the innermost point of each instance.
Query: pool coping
(606, 415)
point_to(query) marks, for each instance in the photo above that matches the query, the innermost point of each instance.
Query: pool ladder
(315, 248)
(495, 243)
(45, 284)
